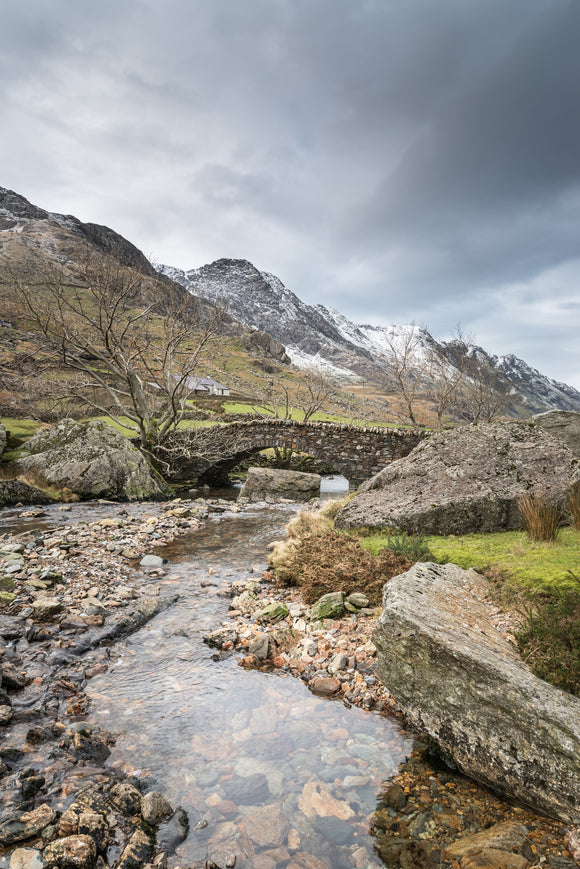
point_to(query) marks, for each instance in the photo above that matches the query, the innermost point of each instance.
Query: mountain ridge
(314, 335)
(317, 335)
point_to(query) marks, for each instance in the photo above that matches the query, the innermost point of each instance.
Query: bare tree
(274, 401)
(483, 394)
(314, 391)
(280, 399)
(404, 363)
(446, 371)
(135, 352)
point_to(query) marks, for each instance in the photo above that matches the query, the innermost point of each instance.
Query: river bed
(267, 771)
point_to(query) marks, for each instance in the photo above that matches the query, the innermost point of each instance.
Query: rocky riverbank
(70, 591)
(430, 815)
(66, 594)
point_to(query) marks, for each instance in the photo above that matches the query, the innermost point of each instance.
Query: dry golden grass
(541, 515)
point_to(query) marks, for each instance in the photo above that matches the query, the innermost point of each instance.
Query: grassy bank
(533, 567)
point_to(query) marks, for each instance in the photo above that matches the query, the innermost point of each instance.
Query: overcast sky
(398, 159)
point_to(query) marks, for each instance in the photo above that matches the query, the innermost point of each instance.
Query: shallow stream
(266, 771)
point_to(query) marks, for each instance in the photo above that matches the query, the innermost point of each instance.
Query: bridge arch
(357, 453)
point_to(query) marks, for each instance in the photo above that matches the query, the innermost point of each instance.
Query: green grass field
(298, 415)
(535, 567)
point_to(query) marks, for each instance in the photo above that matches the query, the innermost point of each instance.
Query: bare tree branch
(141, 351)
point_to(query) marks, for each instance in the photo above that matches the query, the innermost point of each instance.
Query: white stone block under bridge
(357, 453)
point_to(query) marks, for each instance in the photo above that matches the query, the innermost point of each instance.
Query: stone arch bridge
(207, 454)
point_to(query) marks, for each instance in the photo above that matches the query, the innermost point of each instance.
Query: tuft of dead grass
(541, 515)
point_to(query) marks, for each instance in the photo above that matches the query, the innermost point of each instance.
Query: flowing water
(266, 770)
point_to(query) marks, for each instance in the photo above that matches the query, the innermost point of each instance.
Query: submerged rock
(456, 678)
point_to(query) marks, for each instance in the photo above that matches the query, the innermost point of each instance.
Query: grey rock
(2, 439)
(12, 678)
(91, 606)
(272, 484)
(151, 561)
(263, 344)
(338, 663)
(6, 715)
(174, 831)
(25, 825)
(137, 852)
(563, 424)
(92, 460)
(217, 638)
(260, 647)
(90, 748)
(358, 600)
(46, 608)
(467, 479)
(456, 678)
(26, 858)
(94, 825)
(155, 808)
(17, 492)
(246, 603)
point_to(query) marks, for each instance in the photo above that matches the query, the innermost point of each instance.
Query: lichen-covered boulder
(329, 606)
(465, 480)
(564, 424)
(270, 484)
(273, 612)
(458, 679)
(92, 460)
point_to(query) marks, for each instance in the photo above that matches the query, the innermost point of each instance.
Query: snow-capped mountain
(315, 335)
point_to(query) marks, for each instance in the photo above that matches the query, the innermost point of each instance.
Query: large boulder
(465, 480)
(564, 424)
(92, 460)
(269, 484)
(458, 679)
(17, 492)
(263, 344)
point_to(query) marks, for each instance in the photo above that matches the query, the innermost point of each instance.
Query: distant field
(298, 415)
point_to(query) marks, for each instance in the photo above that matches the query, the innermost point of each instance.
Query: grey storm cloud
(398, 159)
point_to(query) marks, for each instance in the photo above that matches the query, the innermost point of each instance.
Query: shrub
(415, 548)
(574, 504)
(540, 514)
(550, 640)
(327, 561)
